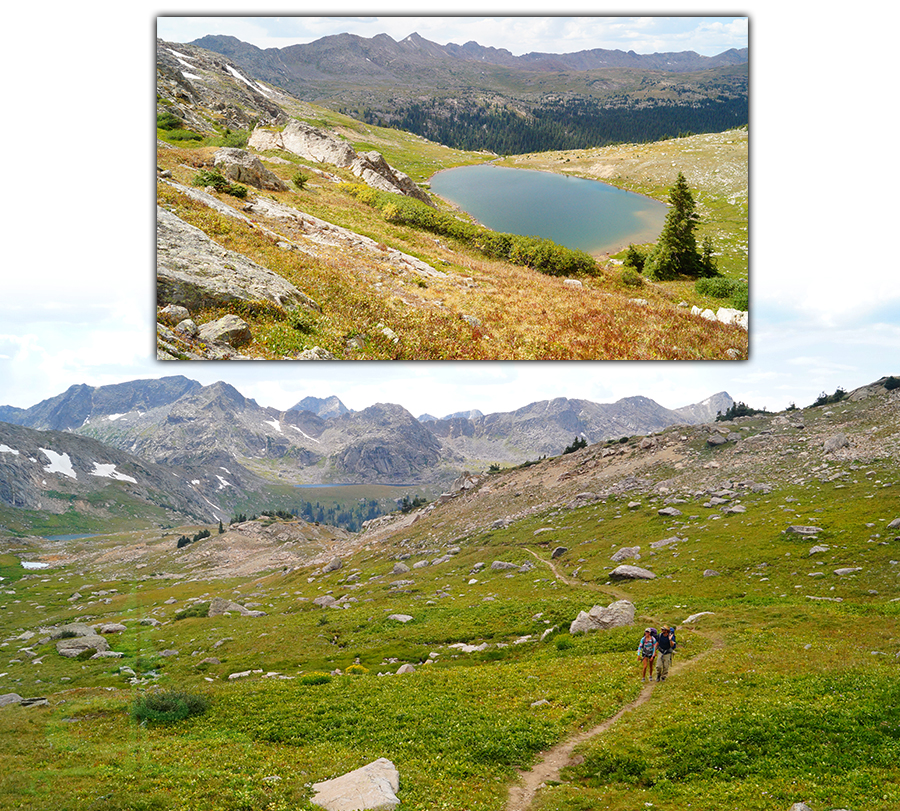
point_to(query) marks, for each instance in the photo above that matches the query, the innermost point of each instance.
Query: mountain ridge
(177, 421)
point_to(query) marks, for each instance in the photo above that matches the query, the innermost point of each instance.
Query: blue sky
(77, 295)
(519, 34)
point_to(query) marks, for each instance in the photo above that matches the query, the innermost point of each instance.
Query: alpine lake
(585, 215)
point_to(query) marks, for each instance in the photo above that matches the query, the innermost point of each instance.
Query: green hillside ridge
(785, 691)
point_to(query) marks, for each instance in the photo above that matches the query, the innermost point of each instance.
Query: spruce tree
(676, 251)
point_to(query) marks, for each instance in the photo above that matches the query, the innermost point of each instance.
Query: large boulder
(242, 167)
(372, 787)
(73, 647)
(219, 606)
(631, 573)
(599, 618)
(195, 272)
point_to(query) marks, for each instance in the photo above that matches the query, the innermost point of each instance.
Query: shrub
(634, 259)
(631, 278)
(168, 707)
(740, 298)
(210, 177)
(892, 383)
(564, 643)
(303, 320)
(196, 610)
(167, 121)
(300, 180)
(316, 677)
(715, 287)
(356, 670)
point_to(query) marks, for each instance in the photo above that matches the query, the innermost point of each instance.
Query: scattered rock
(627, 552)
(797, 530)
(10, 698)
(407, 668)
(848, 570)
(230, 329)
(710, 573)
(400, 618)
(333, 566)
(559, 552)
(500, 565)
(372, 787)
(694, 617)
(669, 511)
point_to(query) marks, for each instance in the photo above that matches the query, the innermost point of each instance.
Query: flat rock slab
(796, 530)
(194, 272)
(632, 573)
(372, 787)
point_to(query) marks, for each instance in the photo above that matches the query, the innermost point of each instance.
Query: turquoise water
(578, 213)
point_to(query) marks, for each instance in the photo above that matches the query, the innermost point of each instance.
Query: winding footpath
(554, 760)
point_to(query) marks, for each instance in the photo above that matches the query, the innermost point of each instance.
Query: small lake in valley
(583, 214)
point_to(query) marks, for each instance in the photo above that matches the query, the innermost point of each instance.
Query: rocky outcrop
(375, 171)
(194, 272)
(317, 145)
(372, 787)
(615, 615)
(242, 167)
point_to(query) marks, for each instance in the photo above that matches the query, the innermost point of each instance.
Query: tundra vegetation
(784, 689)
(498, 296)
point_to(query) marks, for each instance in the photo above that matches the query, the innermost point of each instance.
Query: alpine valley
(296, 217)
(471, 650)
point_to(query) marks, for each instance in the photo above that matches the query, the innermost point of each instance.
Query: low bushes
(168, 707)
(540, 254)
(718, 287)
(210, 177)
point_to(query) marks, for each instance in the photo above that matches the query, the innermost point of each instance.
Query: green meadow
(785, 690)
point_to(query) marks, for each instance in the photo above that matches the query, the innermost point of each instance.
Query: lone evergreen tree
(676, 251)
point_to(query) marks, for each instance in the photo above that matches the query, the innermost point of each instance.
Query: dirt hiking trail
(554, 760)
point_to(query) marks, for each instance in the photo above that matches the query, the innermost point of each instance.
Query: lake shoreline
(524, 208)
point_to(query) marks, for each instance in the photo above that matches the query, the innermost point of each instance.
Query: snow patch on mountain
(110, 472)
(59, 463)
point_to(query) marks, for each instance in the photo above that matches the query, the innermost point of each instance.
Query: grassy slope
(796, 706)
(522, 313)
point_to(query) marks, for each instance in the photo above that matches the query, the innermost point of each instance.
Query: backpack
(647, 648)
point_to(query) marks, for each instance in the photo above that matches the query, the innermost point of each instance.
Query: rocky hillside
(704, 469)
(54, 473)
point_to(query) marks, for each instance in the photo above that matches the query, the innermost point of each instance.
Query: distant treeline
(348, 516)
(576, 123)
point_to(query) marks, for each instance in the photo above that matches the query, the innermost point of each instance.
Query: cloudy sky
(77, 294)
(522, 34)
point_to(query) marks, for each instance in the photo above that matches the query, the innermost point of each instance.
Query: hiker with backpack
(665, 649)
(647, 651)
